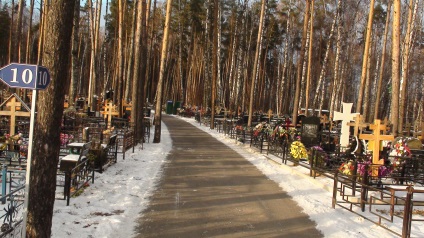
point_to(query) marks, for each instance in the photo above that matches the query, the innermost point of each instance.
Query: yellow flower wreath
(298, 150)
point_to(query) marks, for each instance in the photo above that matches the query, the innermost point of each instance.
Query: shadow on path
(209, 190)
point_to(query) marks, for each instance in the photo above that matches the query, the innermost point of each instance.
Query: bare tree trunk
(219, 86)
(137, 58)
(94, 36)
(75, 59)
(300, 62)
(44, 162)
(29, 35)
(407, 44)
(365, 58)
(18, 42)
(130, 64)
(44, 7)
(207, 74)
(305, 62)
(283, 83)
(256, 61)
(321, 80)
(366, 101)
(394, 117)
(311, 37)
(120, 58)
(158, 108)
(214, 62)
(336, 67)
(383, 61)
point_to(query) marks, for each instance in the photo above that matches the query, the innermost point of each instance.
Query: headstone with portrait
(310, 131)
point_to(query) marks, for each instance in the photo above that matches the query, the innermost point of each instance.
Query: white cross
(345, 117)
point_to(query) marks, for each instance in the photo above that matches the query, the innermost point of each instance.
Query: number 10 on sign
(25, 76)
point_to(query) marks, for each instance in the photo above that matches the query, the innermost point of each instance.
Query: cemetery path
(209, 190)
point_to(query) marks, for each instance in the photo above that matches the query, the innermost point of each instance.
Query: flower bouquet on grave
(347, 168)
(400, 151)
(322, 157)
(280, 132)
(293, 134)
(65, 139)
(261, 128)
(365, 167)
(298, 151)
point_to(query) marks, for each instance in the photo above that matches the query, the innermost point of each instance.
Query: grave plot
(12, 201)
(377, 176)
(14, 141)
(14, 116)
(75, 172)
(90, 144)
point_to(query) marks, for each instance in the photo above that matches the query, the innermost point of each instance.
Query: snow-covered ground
(112, 205)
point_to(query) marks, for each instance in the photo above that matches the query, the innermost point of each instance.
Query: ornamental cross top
(345, 117)
(377, 127)
(358, 124)
(14, 104)
(110, 110)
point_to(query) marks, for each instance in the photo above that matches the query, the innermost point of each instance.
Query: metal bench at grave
(104, 155)
(310, 131)
(125, 140)
(75, 169)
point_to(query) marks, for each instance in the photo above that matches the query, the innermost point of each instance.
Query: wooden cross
(126, 106)
(14, 112)
(324, 120)
(386, 124)
(358, 124)
(288, 123)
(345, 117)
(376, 137)
(110, 110)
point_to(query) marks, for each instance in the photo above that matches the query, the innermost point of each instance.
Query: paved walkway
(209, 190)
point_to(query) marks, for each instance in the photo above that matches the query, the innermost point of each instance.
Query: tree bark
(383, 62)
(407, 44)
(29, 35)
(300, 62)
(75, 59)
(214, 62)
(46, 144)
(394, 117)
(256, 61)
(158, 108)
(365, 58)
(308, 79)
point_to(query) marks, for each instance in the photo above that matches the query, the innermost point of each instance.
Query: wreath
(298, 150)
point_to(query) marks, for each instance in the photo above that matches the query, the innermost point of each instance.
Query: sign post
(33, 77)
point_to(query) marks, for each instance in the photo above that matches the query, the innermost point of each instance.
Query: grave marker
(376, 137)
(345, 117)
(358, 124)
(325, 120)
(109, 111)
(14, 103)
(310, 131)
(386, 123)
(127, 106)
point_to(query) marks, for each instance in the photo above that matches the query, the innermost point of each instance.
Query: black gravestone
(310, 131)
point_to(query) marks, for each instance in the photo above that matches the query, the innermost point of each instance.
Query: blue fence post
(3, 183)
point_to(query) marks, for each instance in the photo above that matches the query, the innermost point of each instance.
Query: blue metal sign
(26, 76)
